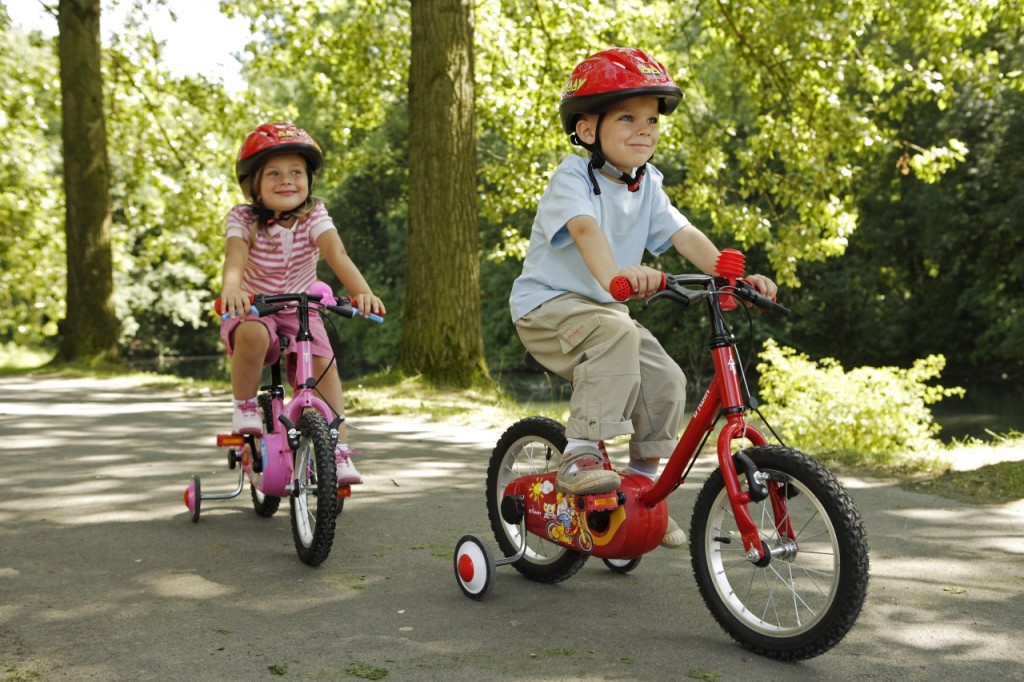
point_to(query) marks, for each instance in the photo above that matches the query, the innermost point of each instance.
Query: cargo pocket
(573, 335)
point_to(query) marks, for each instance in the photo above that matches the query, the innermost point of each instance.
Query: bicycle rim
(305, 495)
(797, 588)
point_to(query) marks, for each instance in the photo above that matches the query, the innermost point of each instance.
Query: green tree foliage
(934, 268)
(805, 133)
(173, 159)
(878, 412)
(31, 203)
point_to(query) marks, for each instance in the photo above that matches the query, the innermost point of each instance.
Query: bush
(869, 415)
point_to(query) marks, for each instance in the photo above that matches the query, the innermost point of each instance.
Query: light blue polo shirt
(632, 221)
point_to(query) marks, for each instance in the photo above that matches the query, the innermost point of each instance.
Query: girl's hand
(763, 285)
(645, 281)
(368, 303)
(234, 303)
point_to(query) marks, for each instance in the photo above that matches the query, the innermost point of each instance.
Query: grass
(982, 472)
(391, 393)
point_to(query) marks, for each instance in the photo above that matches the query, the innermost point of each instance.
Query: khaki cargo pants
(623, 381)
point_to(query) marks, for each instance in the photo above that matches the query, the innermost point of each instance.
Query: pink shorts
(276, 324)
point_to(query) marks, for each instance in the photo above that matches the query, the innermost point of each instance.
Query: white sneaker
(247, 418)
(347, 474)
(674, 535)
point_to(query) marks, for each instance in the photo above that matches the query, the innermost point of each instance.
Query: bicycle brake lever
(745, 291)
(679, 295)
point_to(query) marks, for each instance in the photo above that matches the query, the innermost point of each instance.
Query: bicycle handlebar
(621, 290)
(267, 305)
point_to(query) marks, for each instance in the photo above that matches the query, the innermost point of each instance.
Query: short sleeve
(239, 222)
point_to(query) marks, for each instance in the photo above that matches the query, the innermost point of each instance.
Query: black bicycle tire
(845, 602)
(313, 432)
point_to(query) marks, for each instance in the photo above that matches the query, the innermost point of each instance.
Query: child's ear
(585, 129)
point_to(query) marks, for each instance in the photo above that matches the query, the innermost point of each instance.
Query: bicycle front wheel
(313, 497)
(806, 596)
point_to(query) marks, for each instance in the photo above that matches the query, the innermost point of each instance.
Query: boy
(594, 222)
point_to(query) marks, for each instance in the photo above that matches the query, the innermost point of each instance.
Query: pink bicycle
(777, 547)
(294, 455)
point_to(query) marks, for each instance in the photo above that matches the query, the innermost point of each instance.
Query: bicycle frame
(723, 396)
(277, 479)
(641, 529)
(267, 458)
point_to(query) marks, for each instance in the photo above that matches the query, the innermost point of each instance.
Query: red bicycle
(777, 547)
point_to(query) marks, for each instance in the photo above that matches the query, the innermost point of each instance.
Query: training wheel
(193, 496)
(474, 567)
(622, 565)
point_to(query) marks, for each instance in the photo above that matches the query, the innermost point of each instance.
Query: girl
(272, 246)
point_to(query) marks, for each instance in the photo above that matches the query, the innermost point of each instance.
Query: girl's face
(284, 182)
(629, 131)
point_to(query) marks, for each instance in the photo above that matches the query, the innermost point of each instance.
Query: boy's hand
(762, 285)
(644, 281)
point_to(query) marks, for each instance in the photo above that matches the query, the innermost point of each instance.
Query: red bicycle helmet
(604, 78)
(277, 138)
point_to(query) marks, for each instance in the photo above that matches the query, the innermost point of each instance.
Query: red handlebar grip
(621, 289)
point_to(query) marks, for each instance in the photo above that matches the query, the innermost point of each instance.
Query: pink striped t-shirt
(281, 260)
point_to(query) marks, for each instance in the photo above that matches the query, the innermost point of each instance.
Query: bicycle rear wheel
(313, 498)
(804, 599)
(265, 505)
(530, 446)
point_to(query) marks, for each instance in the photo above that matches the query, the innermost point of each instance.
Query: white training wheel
(474, 567)
(622, 565)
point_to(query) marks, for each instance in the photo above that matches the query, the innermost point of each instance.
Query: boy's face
(629, 131)
(284, 183)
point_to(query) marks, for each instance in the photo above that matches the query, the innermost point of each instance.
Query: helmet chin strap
(601, 164)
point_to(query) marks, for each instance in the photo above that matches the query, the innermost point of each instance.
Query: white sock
(239, 402)
(574, 444)
(642, 468)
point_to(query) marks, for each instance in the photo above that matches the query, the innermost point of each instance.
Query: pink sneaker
(347, 474)
(247, 418)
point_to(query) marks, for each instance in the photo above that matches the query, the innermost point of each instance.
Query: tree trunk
(90, 330)
(441, 327)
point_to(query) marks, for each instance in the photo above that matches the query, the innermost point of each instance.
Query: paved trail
(104, 577)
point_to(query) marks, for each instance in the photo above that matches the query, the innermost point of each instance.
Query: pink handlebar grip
(621, 289)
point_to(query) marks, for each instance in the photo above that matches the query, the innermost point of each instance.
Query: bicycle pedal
(344, 491)
(599, 502)
(230, 440)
